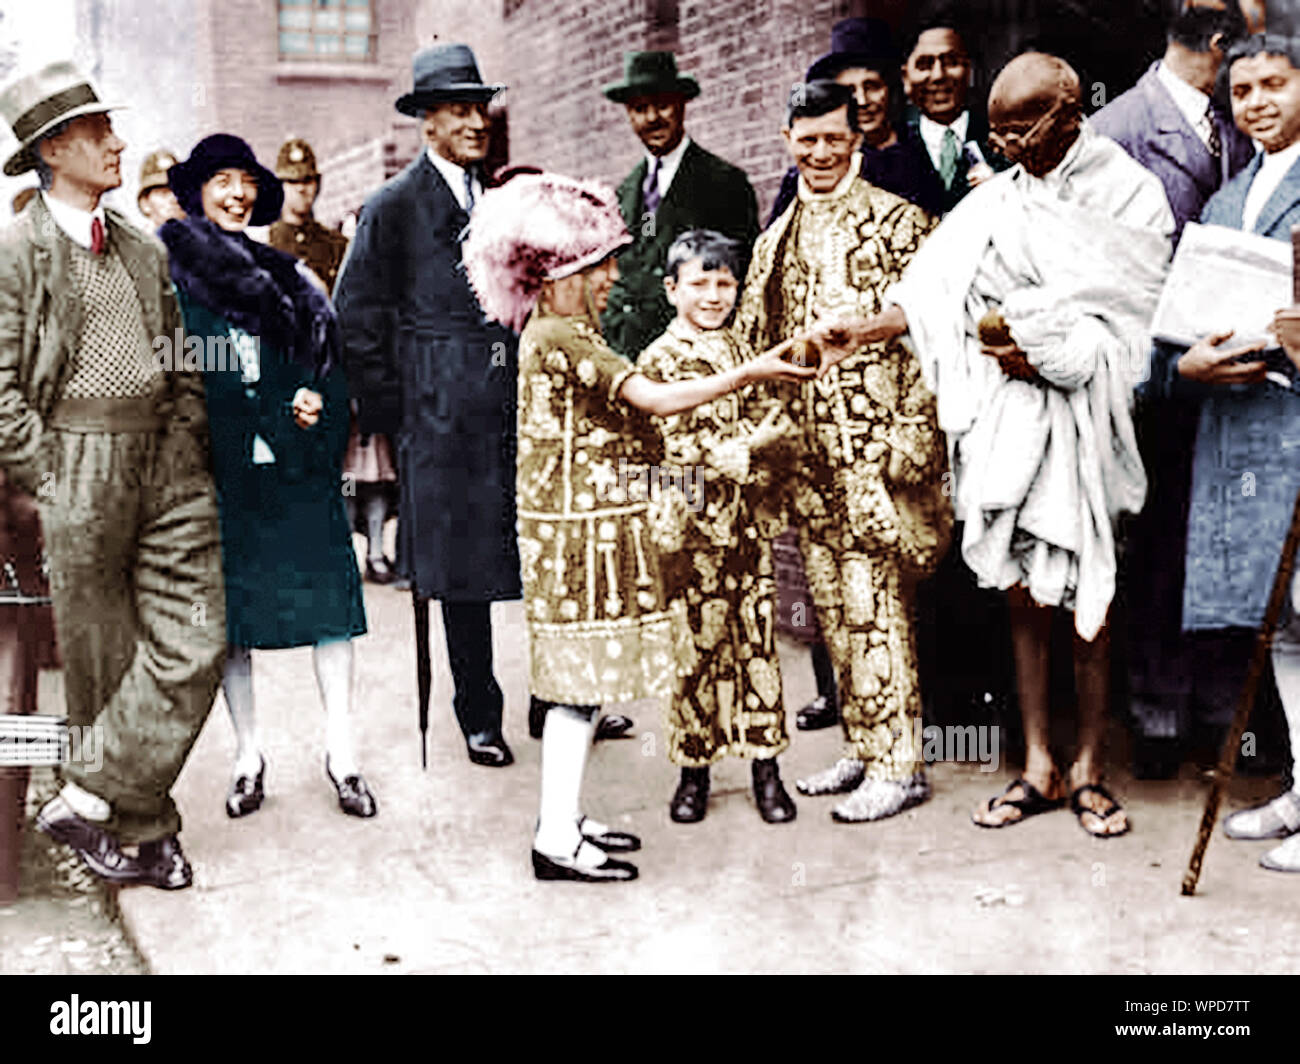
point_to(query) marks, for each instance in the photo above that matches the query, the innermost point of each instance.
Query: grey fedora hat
(34, 104)
(444, 72)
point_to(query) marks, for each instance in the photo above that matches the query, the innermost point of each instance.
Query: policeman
(156, 200)
(297, 232)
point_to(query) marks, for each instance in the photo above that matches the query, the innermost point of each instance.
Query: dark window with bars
(328, 30)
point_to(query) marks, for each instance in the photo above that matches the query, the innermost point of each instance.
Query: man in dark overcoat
(677, 186)
(428, 370)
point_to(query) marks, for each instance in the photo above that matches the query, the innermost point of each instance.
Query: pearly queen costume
(867, 496)
(599, 627)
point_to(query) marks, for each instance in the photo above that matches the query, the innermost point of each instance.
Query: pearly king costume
(715, 536)
(1074, 261)
(867, 495)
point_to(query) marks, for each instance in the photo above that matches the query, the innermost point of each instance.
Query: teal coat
(706, 193)
(291, 570)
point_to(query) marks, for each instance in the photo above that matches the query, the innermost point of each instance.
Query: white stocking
(333, 662)
(1286, 671)
(566, 739)
(237, 685)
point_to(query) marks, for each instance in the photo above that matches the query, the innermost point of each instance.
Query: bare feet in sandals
(1038, 790)
(1099, 811)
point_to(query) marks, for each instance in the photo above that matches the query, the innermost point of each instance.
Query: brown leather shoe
(98, 850)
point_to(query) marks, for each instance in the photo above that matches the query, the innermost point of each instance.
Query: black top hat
(444, 72)
(222, 151)
(647, 73)
(856, 42)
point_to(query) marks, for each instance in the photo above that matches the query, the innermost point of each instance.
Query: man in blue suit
(1170, 123)
(1245, 476)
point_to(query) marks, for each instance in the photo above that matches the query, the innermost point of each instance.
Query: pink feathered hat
(535, 228)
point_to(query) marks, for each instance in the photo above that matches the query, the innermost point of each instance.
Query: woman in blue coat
(278, 415)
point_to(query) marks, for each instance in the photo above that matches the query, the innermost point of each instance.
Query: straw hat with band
(34, 104)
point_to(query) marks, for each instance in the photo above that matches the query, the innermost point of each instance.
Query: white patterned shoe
(840, 778)
(1272, 820)
(1283, 858)
(878, 799)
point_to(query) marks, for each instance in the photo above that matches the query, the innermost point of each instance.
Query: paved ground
(441, 882)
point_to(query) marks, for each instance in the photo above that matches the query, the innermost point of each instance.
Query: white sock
(86, 805)
(1286, 673)
(237, 686)
(566, 739)
(333, 662)
(376, 511)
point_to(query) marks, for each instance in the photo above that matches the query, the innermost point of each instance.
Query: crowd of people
(611, 402)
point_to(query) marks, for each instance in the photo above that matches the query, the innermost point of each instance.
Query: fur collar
(255, 287)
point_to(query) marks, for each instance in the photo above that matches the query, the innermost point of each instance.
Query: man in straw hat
(676, 187)
(431, 373)
(156, 200)
(115, 450)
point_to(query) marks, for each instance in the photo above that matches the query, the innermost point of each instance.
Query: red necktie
(96, 236)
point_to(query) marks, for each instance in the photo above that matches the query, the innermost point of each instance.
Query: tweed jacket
(1246, 463)
(40, 327)
(707, 193)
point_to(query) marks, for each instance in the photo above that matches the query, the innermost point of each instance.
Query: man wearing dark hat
(676, 187)
(297, 232)
(864, 58)
(115, 450)
(156, 200)
(430, 372)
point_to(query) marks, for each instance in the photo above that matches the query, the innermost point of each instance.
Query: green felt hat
(647, 73)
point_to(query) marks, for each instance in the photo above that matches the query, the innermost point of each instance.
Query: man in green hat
(297, 232)
(156, 200)
(676, 187)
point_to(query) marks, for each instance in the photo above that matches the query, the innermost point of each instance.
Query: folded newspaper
(1223, 279)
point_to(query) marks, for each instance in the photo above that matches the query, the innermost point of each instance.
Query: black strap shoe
(246, 793)
(489, 748)
(691, 799)
(98, 850)
(163, 864)
(610, 841)
(821, 712)
(614, 726)
(609, 871)
(774, 804)
(380, 571)
(355, 798)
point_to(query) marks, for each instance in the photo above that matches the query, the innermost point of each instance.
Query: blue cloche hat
(856, 42)
(223, 151)
(442, 73)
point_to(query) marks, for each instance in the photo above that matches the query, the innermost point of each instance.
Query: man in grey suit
(114, 447)
(1170, 123)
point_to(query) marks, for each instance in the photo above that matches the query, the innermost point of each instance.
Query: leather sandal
(1032, 803)
(1112, 807)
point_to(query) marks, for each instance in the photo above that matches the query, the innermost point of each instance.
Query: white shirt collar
(454, 175)
(668, 165)
(1191, 101)
(73, 220)
(932, 134)
(1271, 171)
(807, 195)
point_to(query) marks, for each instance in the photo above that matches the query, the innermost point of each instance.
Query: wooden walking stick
(1263, 640)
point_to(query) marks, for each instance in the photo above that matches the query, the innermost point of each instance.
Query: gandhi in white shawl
(1074, 260)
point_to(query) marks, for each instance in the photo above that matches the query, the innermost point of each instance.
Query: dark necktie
(1215, 141)
(469, 191)
(96, 236)
(650, 190)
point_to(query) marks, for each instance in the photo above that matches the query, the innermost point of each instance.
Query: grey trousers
(130, 520)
